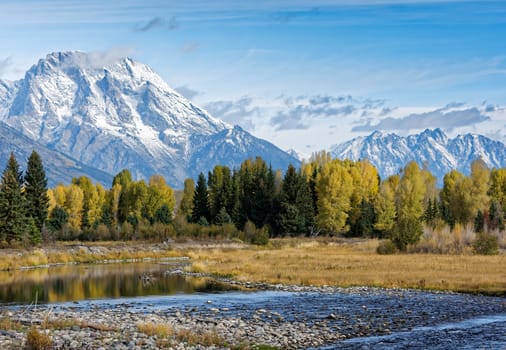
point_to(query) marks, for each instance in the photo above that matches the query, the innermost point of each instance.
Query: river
(288, 317)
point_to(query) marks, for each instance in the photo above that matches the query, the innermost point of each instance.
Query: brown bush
(36, 340)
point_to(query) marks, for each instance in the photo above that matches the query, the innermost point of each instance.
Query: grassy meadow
(333, 262)
(353, 263)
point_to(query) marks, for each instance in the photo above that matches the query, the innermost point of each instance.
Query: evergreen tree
(13, 220)
(256, 193)
(262, 210)
(121, 182)
(201, 201)
(364, 225)
(222, 217)
(220, 186)
(58, 218)
(479, 222)
(296, 214)
(496, 216)
(123, 178)
(163, 214)
(37, 200)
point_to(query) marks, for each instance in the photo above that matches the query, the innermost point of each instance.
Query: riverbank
(285, 317)
(306, 262)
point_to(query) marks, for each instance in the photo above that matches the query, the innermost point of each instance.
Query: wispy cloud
(187, 92)
(190, 47)
(5, 63)
(99, 59)
(302, 111)
(445, 118)
(239, 112)
(158, 23)
(293, 14)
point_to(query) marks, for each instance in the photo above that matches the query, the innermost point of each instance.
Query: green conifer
(37, 200)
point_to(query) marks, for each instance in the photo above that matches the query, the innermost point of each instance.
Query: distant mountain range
(432, 148)
(100, 119)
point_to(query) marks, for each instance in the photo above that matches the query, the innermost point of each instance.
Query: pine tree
(163, 214)
(296, 213)
(13, 220)
(222, 217)
(37, 200)
(201, 201)
(220, 188)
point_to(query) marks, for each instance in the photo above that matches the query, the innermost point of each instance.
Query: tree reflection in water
(99, 281)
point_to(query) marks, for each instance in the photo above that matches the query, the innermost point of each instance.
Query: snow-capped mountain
(432, 148)
(59, 167)
(123, 115)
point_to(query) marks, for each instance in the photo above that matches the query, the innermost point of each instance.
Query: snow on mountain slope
(432, 148)
(121, 115)
(231, 147)
(59, 167)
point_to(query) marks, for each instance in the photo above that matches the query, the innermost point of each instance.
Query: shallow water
(97, 281)
(366, 317)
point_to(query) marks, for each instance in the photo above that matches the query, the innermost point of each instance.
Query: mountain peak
(391, 152)
(113, 113)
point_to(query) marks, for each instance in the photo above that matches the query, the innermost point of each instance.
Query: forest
(253, 203)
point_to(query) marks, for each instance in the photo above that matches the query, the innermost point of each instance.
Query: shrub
(35, 340)
(254, 235)
(485, 244)
(386, 247)
(126, 231)
(103, 233)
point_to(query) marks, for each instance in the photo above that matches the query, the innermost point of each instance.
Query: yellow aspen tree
(480, 178)
(409, 204)
(334, 186)
(74, 206)
(497, 188)
(186, 205)
(52, 200)
(159, 194)
(114, 195)
(60, 195)
(384, 206)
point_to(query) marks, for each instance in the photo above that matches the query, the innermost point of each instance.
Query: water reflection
(82, 282)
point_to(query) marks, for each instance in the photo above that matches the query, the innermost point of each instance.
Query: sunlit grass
(79, 252)
(355, 264)
(326, 261)
(167, 334)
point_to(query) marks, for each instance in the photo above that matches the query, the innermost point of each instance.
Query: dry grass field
(349, 263)
(295, 261)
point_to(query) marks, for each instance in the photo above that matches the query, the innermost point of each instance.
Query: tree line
(253, 202)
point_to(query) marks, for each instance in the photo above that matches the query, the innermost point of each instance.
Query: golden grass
(161, 330)
(36, 340)
(69, 323)
(165, 333)
(324, 261)
(79, 252)
(311, 262)
(7, 324)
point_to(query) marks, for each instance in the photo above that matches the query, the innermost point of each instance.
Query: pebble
(309, 318)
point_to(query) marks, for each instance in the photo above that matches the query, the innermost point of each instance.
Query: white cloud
(445, 118)
(99, 59)
(5, 64)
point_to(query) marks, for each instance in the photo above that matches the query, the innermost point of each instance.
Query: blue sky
(303, 74)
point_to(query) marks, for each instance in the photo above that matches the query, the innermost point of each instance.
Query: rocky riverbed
(286, 317)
